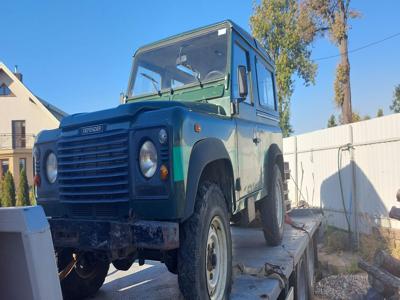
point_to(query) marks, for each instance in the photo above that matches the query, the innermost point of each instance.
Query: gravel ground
(342, 286)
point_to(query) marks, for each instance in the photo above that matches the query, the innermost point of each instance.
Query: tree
(333, 16)
(367, 117)
(8, 190)
(355, 117)
(379, 113)
(283, 29)
(1, 190)
(395, 107)
(332, 121)
(23, 189)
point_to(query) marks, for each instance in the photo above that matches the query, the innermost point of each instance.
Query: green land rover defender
(195, 146)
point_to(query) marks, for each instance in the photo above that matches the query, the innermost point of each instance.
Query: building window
(4, 90)
(4, 167)
(22, 164)
(18, 134)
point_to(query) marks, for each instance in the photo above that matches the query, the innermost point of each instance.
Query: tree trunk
(383, 260)
(347, 112)
(379, 274)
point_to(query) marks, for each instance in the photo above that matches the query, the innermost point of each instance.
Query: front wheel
(205, 253)
(273, 209)
(85, 278)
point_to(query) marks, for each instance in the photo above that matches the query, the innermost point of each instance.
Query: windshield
(194, 60)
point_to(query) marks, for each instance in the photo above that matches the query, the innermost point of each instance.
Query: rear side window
(265, 80)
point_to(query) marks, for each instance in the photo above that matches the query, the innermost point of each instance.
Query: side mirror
(242, 82)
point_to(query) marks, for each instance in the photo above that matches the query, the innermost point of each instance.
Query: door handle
(256, 139)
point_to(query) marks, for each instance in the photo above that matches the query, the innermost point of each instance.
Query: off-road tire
(74, 286)
(171, 261)
(272, 228)
(194, 238)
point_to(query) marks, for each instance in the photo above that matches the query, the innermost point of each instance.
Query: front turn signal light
(163, 172)
(36, 180)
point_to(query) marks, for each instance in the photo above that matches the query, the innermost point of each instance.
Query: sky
(77, 54)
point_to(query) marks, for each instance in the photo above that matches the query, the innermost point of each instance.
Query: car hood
(131, 110)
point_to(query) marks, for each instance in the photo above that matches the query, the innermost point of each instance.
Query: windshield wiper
(198, 79)
(153, 81)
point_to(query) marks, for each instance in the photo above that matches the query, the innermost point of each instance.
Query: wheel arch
(209, 160)
(274, 156)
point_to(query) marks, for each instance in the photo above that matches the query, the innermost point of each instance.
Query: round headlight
(51, 167)
(148, 159)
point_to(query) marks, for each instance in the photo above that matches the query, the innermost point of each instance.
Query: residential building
(22, 116)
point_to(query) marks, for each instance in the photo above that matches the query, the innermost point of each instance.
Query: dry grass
(338, 240)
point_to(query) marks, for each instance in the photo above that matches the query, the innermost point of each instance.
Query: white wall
(376, 166)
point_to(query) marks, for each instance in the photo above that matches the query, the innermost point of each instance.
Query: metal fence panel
(317, 159)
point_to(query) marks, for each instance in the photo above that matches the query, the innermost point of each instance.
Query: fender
(274, 155)
(203, 152)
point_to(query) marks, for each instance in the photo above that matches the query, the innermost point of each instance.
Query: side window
(240, 58)
(265, 82)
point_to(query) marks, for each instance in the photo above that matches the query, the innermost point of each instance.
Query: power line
(360, 48)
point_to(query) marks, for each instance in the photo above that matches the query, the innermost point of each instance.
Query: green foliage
(283, 29)
(332, 121)
(23, 190)
(367, 117)
(8, 190)
(395, 107)
(356, 117)
(1, 190)
(379, 113)
(32, 198)
(336, 240)
(341, 80)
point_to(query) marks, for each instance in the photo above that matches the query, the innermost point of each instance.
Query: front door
(247, 136)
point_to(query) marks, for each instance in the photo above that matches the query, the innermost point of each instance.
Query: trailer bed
(255, 276)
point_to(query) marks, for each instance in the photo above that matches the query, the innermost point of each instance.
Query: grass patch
(336, 240)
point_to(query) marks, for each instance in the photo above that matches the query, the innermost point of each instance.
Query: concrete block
(28, 267)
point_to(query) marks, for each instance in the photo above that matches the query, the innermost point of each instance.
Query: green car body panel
(203, 130)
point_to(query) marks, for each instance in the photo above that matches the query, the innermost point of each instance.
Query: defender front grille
(94, 168)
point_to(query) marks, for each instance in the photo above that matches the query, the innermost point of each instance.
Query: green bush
(32, 198)
(1, 188)
(8, 190)
(23, 190)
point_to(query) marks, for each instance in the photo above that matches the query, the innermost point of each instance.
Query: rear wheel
(205, 254)
(85, 278)
(273, 209)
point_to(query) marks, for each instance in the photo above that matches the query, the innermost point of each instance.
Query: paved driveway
(150, 281)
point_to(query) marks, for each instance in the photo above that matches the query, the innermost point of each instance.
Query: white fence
(363, 158)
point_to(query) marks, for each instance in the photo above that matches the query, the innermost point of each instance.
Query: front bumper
(111, 236)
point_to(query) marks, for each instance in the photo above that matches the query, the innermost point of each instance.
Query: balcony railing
(16, 141)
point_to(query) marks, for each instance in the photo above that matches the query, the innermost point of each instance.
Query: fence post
(296, 174)
(353, 188)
